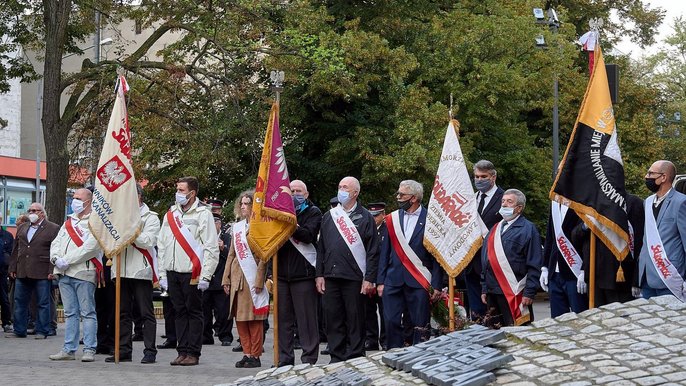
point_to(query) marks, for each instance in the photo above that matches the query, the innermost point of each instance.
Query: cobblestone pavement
(642, 342)
(25, 361)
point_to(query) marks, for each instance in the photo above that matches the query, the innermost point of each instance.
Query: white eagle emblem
(113, 174)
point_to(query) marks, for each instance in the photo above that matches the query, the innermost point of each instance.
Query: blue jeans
(648, 292)
(23, 288)
(564, 297)
(78, 297)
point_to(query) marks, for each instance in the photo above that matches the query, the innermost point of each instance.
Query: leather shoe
(238, 348)
(226, 343)
(240, 364)
(369, 346)
(137, 338)
(148, 359)
(167, 344)
(325, 351)
(252, 363)
(189, 361)
(121, 359)
(178, 360)
(208, 341)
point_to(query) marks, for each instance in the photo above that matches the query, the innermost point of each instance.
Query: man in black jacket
(347, 262)
(296, 287)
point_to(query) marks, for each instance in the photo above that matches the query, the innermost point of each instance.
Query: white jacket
(134, 265)
(200, 223)
(78, 257)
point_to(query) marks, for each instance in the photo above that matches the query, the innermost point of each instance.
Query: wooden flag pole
(275, 293)
(451, 303)
(117, 305)
(591, 279)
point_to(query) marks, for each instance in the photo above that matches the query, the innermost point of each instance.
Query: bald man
(347, 262)
(664, 236)
(77, 257)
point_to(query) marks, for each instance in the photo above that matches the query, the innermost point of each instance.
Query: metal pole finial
(450, 109)
(277, 78)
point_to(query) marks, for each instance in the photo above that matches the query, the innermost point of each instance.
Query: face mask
(33, 218)
(298, 200)
(651, 185)
(343, 197)
(404, 205)
(482, 185)
(507, 213)
(76, 206)
(181, 199)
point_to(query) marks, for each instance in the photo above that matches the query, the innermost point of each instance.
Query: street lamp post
(553, 23)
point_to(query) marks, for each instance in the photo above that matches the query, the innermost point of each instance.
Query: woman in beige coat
(249, 324)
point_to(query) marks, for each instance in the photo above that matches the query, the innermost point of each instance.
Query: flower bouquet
(440, 310)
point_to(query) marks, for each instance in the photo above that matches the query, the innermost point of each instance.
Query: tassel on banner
(620, 275)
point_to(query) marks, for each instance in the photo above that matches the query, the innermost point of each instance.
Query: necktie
(480, 208)
(502, 229)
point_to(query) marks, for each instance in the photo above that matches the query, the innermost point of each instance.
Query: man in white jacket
(188, 254)
(78, 265)
(138, 275)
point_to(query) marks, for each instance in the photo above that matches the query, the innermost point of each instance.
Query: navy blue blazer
(522, 246)
(551, 253)
(392, 272)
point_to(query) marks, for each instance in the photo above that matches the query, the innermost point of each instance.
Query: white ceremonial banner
(116, 220)
(454, 231)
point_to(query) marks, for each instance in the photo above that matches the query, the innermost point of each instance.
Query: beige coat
(240, 301)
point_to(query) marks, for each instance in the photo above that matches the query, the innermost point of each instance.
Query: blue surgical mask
(343, 197)
(181, 199)
(507, 213)
(483, 185)
(298, 199)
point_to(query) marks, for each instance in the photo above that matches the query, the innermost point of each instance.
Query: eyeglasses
(34, 210)
(654, 173)
(401, 194)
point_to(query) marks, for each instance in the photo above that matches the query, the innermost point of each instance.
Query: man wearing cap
(409, 276)
(376, 334)
(215, 302)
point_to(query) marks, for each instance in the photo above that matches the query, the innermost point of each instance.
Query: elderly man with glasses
(30, 266)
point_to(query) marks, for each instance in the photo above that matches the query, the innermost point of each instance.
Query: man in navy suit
(668, 208)
(488, 204)
(407, 271)
(521, 245)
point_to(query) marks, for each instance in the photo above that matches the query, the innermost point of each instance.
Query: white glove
(61, 264)
(636, 292)
(581, 284)
(163, 284)
(543, 280)
(203, 285)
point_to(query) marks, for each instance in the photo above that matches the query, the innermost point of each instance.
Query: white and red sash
(246, 260)
(307, 250)
(351, 236)
(150, 255)
(658, 255)
(407, 256)
(511, 287)
(569, 253)
(78, 236)
(183, 236)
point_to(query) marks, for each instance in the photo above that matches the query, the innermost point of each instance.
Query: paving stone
(567, 317)
(675, 377)
(613, 369)
(635, 374)
(607, 379)
(531, 370)
(652, 380)
(579, 352)
(622, 383)
(649, 322)
(577, 383)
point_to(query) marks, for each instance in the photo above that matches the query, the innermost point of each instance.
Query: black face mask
(651, 185)
(404, 205)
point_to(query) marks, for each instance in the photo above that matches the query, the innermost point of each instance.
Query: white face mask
(343, 197)
(507, 213)
(181, 199)
(76, 206)
(33, 218)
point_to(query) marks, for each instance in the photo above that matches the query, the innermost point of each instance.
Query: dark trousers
(169, 319)
(104, 309)
(499, 311)
(375, 324)
(607, 296)
(137, 321)
(321, 318)
(187, 301)
(298, 308)
(564, 297)
(23, 289)
(476, 309)
(215, 306)
(137, 294)
(5, 310)
(345, 318)
(396, 299)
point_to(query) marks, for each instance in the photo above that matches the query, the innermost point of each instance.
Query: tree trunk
(56, 19)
